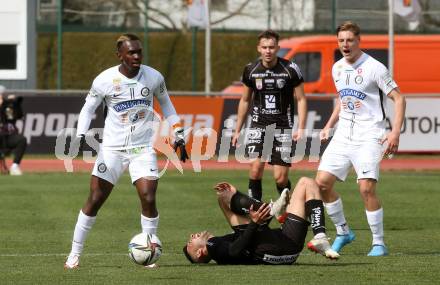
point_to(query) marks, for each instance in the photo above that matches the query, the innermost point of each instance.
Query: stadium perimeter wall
(87, 54)
(211, 120)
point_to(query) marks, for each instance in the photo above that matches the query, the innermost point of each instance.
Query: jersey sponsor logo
(92, 93)
(122, 106)
(102, 167)
(269, 80)
(280, 83)
(353, 93)
(259, 83)
(283, 137)
(259, 75)
(284, 149)
(254, 134)
(388, 79)
(358, 79)
(145, 92)
(270, 101)
(270, 111)
(280, 259)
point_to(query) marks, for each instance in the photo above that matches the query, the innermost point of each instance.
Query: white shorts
(141, 162)
(365, 157)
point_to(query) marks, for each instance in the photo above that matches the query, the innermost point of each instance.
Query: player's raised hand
(261, 215)
(223, 186)
(179, 143)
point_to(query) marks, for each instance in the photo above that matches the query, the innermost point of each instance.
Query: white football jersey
(363, 88)
(130, 120)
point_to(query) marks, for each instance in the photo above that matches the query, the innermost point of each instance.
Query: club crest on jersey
(145, 91)
(351, 105)
(259, 83)
(133, 117)
(280, 83)
(102, 167)
(358, 79)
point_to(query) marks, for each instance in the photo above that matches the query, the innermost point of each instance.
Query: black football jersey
(268, 246)
(273, 89)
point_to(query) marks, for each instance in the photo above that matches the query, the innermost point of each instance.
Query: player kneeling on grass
(253, 242)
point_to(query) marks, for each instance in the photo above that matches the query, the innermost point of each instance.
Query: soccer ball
(145, 248)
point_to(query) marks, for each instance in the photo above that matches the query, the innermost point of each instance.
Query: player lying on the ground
(253, 242)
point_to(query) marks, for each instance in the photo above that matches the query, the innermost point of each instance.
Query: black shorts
(295, 229)
(281, 151)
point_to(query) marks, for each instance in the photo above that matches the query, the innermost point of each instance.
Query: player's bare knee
(323, 185)
(367, 191)
(255, 174)
(148, 197)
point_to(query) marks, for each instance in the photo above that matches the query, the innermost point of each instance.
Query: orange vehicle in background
(416, 61)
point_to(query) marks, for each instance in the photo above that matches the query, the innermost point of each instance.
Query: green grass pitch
(38, 213)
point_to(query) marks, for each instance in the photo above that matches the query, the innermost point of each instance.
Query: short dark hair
(269, 34)
(125, 37)
(349, 26)
(185, 251)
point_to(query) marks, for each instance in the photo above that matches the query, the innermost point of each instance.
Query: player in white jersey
(128, 91)
(360, 139)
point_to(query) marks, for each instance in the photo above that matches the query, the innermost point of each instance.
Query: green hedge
(86, 54)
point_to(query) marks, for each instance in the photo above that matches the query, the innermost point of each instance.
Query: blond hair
(125, 37)
(349, 26)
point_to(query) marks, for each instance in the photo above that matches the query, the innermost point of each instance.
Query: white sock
(320, 235)
(83, 225)
(375, 220)
(335, 211)
(14, 165)
(149, 225)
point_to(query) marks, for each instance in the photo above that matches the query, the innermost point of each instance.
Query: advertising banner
(421, 127)
(210, 121)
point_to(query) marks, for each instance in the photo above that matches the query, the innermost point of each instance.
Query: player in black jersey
(253, 241)
(271, 86)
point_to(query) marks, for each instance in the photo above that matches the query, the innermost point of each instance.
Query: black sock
(241, 203)
(255, 189)
(281, 187)
(315, 214)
